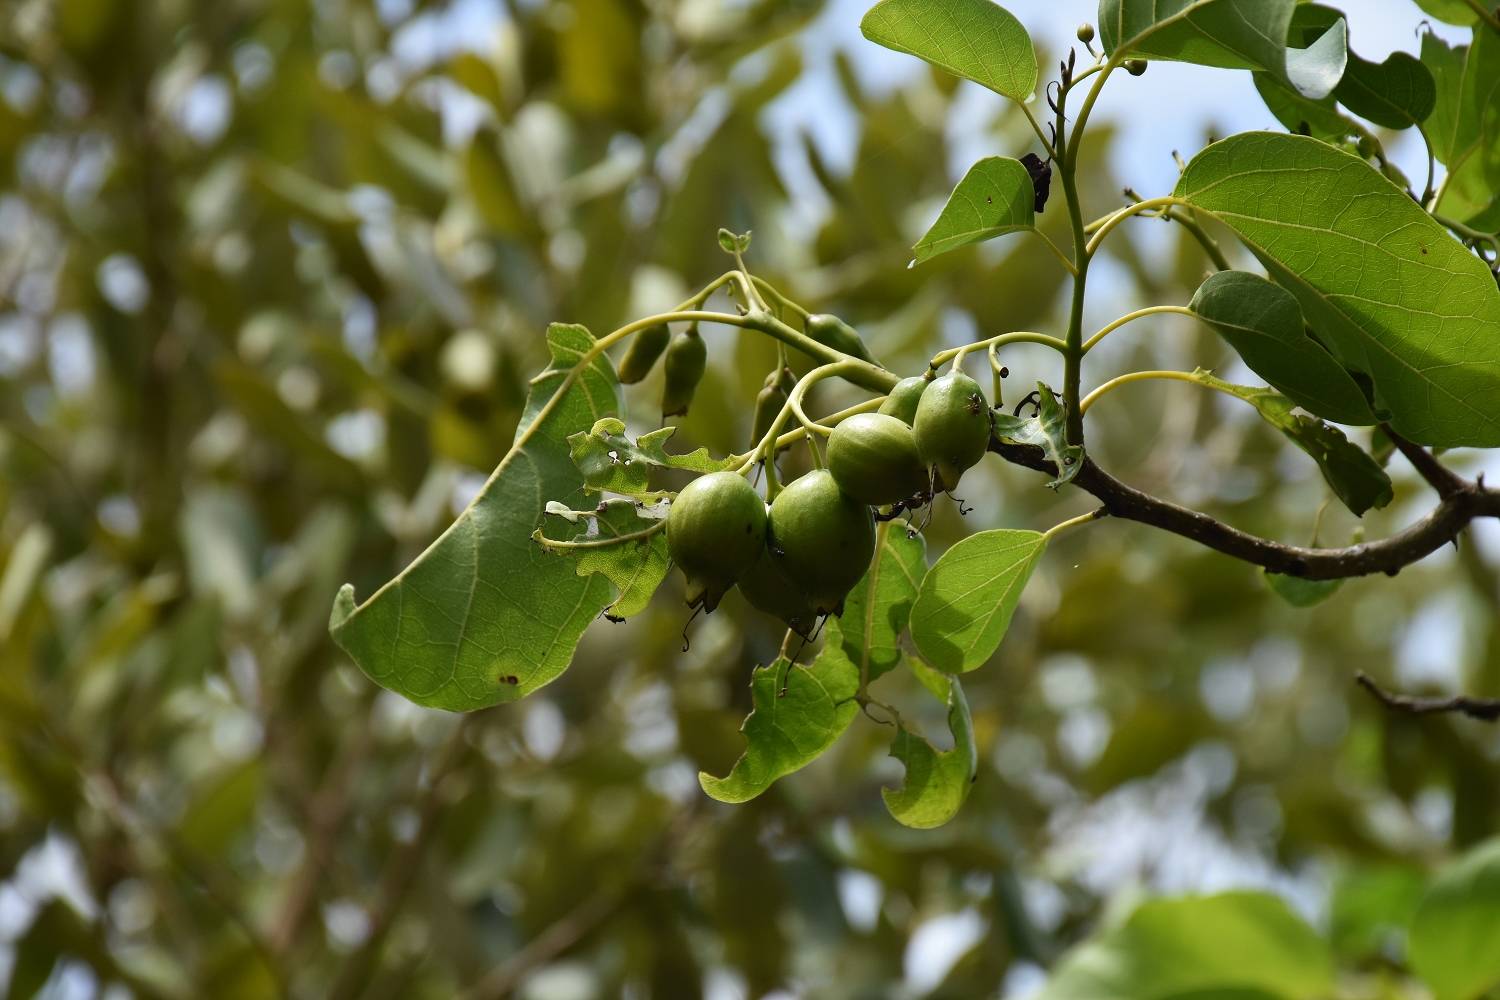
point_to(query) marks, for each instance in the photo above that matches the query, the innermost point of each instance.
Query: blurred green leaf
(799, 712)
(1236, 944)
(515, 623)
(1263, 323)
(994, 198)
(1289, 197)
(1371, 905)
(1455, 935)
(1450, 11)
(1300, 593)
(224, 811)
(975, 39)
(967, 598)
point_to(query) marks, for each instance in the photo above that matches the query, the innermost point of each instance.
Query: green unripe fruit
(830, 331)
(873, 458)
(645, 347)
(902, 402)
(768, 404)
(716, 532)
(821, 539)
(687, 357)
(1135, 67)
(767, 590)
(952, 428)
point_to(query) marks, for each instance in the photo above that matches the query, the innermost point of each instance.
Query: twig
(1441, 478)
(1484, 709)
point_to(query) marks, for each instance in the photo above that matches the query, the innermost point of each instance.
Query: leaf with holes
(1387, 290)
(974, 39)
(1263, 323)
(799, 713)
(967, 599)
(937, 781)
(628, 548)
(876, 611)
(485, 604)
(611, 461)
(995, 197)
(1048, 429)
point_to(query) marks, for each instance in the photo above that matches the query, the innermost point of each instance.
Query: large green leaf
(937, 782)
(486, 615)
(1263, 323)
(1390, 293)
(1397, 93)
(1447, 66)
(1233, 944)
(799, 713)
(1234, 34)
(1048, 430)
(611, 461)
(995, 197)
(1455, 936)
(967, 598)
(974, 39)
(1465, 124)
(628, 546)
(877, 609)
(1356, 478)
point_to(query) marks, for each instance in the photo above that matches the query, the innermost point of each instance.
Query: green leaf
(1450, 11)
(629, 549)
(611, 461)
(1236, 944)
(1233, 34)
(799, 713)
(1320, 118)
(1389, 292)
(937, 782)
(1263, 323)
(1300, 593)
(994, 198)
(1447, 66)
(876, 611)
(1370, 904)
(1467, 127)
(966, 600)
(974, 39)
(485, 603)
(490, 185)
(1455, 936)
(1047, 429)
(1397, 93)
(731, 243)
(1355, 477)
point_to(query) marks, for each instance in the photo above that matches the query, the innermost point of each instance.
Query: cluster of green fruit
(798, 557)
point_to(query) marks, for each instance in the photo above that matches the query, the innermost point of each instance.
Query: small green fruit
(716, 532)
(873, 458)
(645, 347)
(902, 402)
(687, 357)
(767, 590)
(769, 402)
(952, 428)
(821, 539)
(830, 331)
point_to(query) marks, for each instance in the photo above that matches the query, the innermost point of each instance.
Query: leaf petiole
(1092, 515)
(1128, 317)
(1023, 337)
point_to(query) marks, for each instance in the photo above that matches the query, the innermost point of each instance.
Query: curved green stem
(1020, 337)
(1036, 127)
(1431, 165)
(1092, 515)
(767, 288)
(995, 374)
(1114, 220)
(1149, 311)
(1485, 15)
(1115, 383)
(1056, 251)
(599, 543)
(1088, 106)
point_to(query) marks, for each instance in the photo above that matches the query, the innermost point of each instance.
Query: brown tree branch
(1441, 478)
(1463, 504)
(1484, 709)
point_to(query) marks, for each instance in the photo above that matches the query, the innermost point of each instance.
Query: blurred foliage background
(273, 277)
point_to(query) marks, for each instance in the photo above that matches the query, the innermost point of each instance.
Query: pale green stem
(1057, 252)
(1485, 14)
(767, 288)
(602, 543)
(1024, 337)
(1088, 106)
(1115, 383)
(1036, 127)
(1149, 311)
(1092, 515)
(1127, 212)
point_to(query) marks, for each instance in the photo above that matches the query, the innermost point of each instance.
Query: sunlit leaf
(1455, 936)
(611, 461)
(967, 599)
(937, 782)
(1234, 944)
(1390, 293)
(1355, 477)
(629, 549)
(994, 198)
(485, 604)
(1263, 323)
(877, 609)
(1450, 11)
(1046, 429)
(974, 39)
(799, 712)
